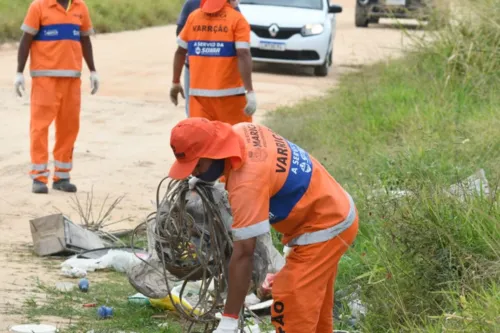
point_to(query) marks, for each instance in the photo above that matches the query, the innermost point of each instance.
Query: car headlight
(312, 29)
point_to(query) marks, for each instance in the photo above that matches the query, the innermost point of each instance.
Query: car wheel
(361, 16)
(323, 70)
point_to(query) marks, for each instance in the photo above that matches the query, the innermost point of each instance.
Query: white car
(298, 32)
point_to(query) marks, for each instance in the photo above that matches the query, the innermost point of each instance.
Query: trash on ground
(74, 272)
(99, 253)
(89, 305)
(65, 286)
(33, 328)
(475, 184)
(121, 261)
(56, 234)
(105, 312)
(84, 285)
(139, 299)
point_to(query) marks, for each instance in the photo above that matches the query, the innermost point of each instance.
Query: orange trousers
(228, 109)
(303, 290)
(52, 99)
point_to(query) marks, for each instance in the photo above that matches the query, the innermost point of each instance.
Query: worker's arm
(88, 53)
(179, 60)
(23, 51)
(245, 67)
(240, 274)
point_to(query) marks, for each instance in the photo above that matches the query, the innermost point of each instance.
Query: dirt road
(123, 143)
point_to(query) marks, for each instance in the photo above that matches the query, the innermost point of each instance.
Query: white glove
(19, 84)
(193, 181)
(227, 325)
(251, 106)
(286, 251)
(94, 82)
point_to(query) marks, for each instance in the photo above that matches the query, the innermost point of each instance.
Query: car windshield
(310, 4)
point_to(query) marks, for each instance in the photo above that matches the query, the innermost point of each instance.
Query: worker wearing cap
(216, 40)
(189, 7)
(273, 182)
(57, 35)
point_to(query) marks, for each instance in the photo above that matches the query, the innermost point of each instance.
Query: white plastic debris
(32, 328)
(74, 272)
(121, 261)
(475, 184)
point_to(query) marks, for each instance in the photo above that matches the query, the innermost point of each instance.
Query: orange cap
(195, 138)
(212, 6)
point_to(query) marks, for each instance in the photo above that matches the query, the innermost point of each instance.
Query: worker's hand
(94, 82)
(227, 325)
(174, 93)
(251, 106)
(19, 84)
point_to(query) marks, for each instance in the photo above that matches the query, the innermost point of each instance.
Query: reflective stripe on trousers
(329, 233)
(56, 73)
(217, 92)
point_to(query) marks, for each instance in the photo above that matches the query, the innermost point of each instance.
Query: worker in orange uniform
(273, 182)
(57, 33)
(216, 38)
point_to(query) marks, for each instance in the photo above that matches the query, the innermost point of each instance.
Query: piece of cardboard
(56, 234)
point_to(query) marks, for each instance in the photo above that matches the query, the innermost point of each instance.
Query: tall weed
(413, 128)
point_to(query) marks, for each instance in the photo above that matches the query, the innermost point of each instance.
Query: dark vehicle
(370, 11)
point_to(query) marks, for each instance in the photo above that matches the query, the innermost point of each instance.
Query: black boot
(39, 187)
(64, 185)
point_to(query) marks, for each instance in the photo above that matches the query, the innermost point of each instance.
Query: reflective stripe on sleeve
(217, 92)
(28, 29)
(251, 231)
(56, 73)
(182, 43)
(88, 32)
(242, 45)
(327, 234)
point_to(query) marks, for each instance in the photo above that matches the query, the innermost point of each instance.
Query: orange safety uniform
(55, 68)
(274, 182)
(216, 90)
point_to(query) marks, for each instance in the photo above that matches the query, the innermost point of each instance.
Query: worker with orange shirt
(216, 39)
(57, 35)
(273, 182)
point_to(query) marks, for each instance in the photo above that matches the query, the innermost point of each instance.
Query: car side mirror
(334, 9)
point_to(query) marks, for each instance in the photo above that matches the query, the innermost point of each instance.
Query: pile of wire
(192, 250)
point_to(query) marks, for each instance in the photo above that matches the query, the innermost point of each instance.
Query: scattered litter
(475, 184)
(56, 234)
(65, 286)
(121, 261)
(33, 328)
(105, 312)
(99, 253)
(84, 285)
(74, 272)
(89, 305)
(139, 299)
(251, 299)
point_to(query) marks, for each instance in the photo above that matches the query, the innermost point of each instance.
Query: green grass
(113, 292)
(107, 15)
(418, 124)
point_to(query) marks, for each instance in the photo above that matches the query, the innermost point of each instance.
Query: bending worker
(216, 40)
(189, 7)
(273, 182)
(57, 33)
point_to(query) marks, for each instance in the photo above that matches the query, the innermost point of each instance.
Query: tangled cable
(192, 250)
